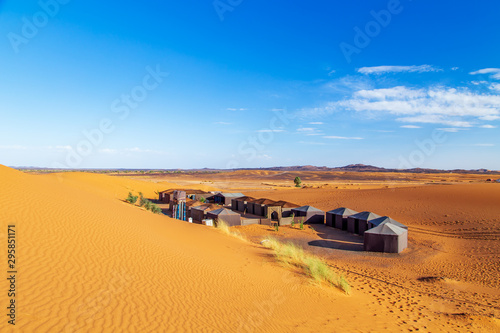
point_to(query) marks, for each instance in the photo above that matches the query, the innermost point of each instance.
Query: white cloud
(452, 130)
(306, 129)
(397, 69)
(222, 123)
(495, 86)
(236, 109)
(434, 105)
(331, 72)
(342, 137)
(410, 126)
(316, 123)
(477, 83)
(454, 68)
(488, 126)
(484, 145)
(495, 72)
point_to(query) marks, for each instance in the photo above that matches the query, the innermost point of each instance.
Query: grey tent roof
(343, 211)
(367, 216)
(232, 195)
(307, 209)
(387, 219)
(386, 229)
(222, 211)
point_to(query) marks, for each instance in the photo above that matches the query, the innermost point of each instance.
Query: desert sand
(89, 262)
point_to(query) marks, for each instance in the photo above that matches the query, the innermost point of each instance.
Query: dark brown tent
(385, 219)
(241, 204)
(224, 198)
(387, 237)
(198, 213)
(167, 195)
(228, 216)
(259, 206)
(358, 223)
(337, 218)
(309, 214)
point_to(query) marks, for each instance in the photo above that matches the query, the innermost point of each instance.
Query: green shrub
(131, 199)
(142, 200)
(147, 204)
(155, 209)
(202, 199)
(301, 224)
(297, 181)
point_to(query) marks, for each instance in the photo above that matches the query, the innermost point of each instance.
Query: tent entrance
(356, 226)
(344, 224)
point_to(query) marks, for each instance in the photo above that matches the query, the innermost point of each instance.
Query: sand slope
(89, 262)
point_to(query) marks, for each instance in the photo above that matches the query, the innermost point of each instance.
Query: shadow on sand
(336, 239)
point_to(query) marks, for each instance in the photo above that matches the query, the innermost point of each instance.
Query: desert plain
(88, 261)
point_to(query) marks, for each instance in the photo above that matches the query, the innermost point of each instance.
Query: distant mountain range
(347, 168)
(371, 168)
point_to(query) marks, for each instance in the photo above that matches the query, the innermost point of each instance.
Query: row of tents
(381, 233)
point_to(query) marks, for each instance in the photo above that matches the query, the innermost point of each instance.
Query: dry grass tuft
(316, 268)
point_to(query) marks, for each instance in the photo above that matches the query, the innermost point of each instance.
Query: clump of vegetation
(142, 200)
(301, 224)
(203, 200)
(277, 227)
(297, 181)
(222, 226)
(155, 209)
(291, 254)
(131, 199)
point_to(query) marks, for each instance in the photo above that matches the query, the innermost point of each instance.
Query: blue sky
(225, 84)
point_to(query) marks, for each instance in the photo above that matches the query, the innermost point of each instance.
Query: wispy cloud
(131, 150)
(222, 123)
(454, 68)
(342, 137)
(309, 131)
(488, 126)
(410, 126)
(236, 109)
(494, 72)
(484, 145)
(397, 69)
(434, 105)
(452, 129)
(495, 86)
(316, 123)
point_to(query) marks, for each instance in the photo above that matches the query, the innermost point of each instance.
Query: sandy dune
(89, 262)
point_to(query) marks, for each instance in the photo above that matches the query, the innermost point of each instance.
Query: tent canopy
(387, 229)
(366, 216)
(307, 209)
(343, 211)
(387, 219)
(223, 211)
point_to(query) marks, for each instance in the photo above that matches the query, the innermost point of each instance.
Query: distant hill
(297, 168)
